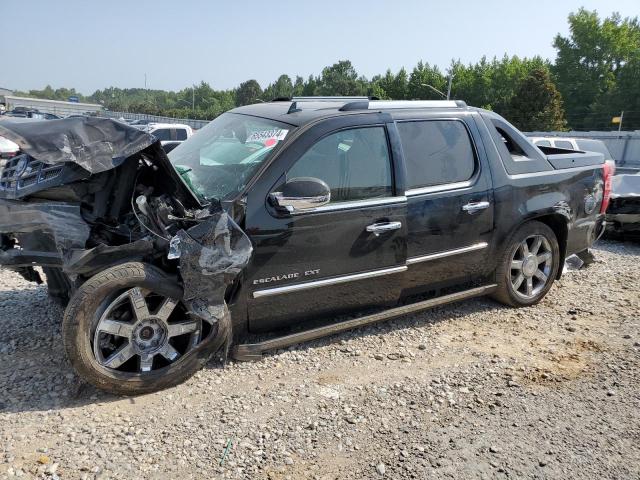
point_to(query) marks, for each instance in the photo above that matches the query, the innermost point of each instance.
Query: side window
(162, 134)
(563, 144)
(436, 152)
(181, 134)
(354, 163)
(543, 143)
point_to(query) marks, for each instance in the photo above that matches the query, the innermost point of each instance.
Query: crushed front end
(88, 194)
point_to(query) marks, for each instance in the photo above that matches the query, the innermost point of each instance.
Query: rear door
(343, 256)
(449, 202)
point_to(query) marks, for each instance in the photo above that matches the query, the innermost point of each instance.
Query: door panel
(450, 223)
(325, 248)
(331, 259)
(445, 243)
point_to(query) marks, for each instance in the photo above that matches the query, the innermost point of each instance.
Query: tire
(515, 294)
(90, 305)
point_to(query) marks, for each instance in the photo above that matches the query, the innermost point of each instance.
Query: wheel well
(558, 224)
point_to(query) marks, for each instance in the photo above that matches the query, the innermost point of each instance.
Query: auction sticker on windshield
(268, 137)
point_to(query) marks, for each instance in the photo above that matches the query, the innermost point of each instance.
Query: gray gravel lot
(472, 390)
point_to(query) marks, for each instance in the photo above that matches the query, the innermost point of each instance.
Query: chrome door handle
(378, 228)
(474, 207)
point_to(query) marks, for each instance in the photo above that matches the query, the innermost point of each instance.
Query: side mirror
(302, 193)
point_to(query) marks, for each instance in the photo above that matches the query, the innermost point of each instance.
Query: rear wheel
(528, 266)
(126, 331)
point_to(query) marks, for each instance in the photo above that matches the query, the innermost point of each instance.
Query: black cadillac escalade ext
(280, 215)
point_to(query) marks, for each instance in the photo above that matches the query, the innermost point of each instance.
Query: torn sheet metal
(211, 256)
(60, 220)
(90, 261)
(96, 144)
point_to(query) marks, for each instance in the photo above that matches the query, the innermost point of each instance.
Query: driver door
(346, 255)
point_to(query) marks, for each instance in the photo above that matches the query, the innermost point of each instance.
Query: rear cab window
(181, 134)
(436, 152)
(563, 144)
(162, 134)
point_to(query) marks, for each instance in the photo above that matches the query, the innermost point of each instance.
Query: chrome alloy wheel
(531, 265)
(141, 331)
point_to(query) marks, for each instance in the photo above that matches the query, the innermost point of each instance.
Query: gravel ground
(472, 390)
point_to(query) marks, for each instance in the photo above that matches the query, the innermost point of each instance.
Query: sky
(94, 44)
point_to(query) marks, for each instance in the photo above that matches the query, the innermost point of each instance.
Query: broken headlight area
(88, 194)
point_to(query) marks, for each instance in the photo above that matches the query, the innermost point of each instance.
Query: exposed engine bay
(89, 193)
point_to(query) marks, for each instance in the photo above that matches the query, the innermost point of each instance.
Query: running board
(253, 351)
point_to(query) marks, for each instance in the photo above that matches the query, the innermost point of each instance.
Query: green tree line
(595, 76)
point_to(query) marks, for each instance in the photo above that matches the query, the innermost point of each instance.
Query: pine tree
(537, 104)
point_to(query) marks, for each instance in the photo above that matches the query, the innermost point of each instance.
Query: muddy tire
(528, 265)
(134, 351)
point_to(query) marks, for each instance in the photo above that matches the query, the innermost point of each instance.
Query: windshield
(218, 161)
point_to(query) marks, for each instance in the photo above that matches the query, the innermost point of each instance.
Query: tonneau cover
(575, 159)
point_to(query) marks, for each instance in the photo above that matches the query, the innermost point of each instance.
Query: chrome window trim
(327, 281)
(439, 188)
(353, 204)
(447, 253)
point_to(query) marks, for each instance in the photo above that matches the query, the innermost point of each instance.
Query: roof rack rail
(298, 102)
(329, 99)
(396, 104)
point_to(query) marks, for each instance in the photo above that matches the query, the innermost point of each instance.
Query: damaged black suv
(287, 214)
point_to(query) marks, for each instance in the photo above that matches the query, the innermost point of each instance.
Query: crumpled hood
(96, 144)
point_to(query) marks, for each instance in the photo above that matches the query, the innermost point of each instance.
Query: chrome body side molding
(447, 253)
(327, 281)
(268, 292)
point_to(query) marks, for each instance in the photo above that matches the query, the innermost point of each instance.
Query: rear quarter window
(563, 144)
(436, 152)
(181, 134)
(162, 134)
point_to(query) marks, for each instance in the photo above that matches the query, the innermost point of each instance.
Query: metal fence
(624, 146)
(56, 107)
(196, 124)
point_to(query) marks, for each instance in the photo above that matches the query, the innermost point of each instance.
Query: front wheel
(528, 266)
(126, 331)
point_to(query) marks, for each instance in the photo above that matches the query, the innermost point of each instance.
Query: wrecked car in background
(280, 213)
(623, 214)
